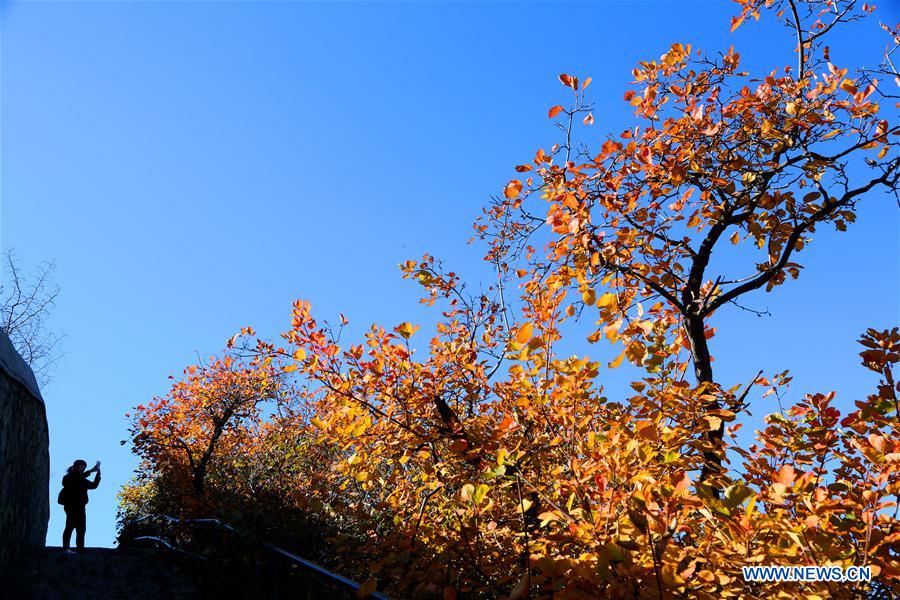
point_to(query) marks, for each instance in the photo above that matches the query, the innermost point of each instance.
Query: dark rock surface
(24, 458)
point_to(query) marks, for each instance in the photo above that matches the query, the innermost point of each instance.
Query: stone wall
(24, 458)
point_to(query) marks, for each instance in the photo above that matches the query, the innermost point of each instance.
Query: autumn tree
(480, 462)
(213, 414)
(716, 156)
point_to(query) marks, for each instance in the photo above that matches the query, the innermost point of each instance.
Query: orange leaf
(513, 188)
(555, 111)
(617, 361)
(848, 86)
(786, 475)
(524, 333)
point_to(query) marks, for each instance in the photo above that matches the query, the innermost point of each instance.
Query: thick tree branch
(827, 210)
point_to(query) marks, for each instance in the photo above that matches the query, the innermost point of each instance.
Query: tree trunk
(695, 329)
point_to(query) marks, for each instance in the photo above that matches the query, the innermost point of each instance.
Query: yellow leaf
(791, 108)
(589, 297)
(407, 329)
(299, 354)
(735, 238)
(290, 368)
(480, 493)
(360, 427)
(607, 299)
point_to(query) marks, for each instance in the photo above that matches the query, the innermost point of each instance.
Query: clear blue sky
(193, 167)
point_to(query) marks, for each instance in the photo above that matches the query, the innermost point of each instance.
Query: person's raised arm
(92, 485)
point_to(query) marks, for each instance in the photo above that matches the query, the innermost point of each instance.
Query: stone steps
(103, 574)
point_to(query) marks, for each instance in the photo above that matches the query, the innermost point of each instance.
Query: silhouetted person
(75, 496)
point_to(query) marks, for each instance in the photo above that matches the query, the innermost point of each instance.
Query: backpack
(61, 498)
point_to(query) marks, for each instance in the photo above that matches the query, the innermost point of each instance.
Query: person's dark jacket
(76, 486)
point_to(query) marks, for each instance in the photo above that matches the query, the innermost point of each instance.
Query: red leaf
(569, 81)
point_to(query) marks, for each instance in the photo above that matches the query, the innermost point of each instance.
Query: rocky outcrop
(24, 458)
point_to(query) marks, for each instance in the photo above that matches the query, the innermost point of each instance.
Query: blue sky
(193, 167)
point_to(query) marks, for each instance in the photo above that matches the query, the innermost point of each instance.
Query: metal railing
(308, 565)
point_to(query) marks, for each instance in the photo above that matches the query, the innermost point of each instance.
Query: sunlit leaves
(486, 459)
